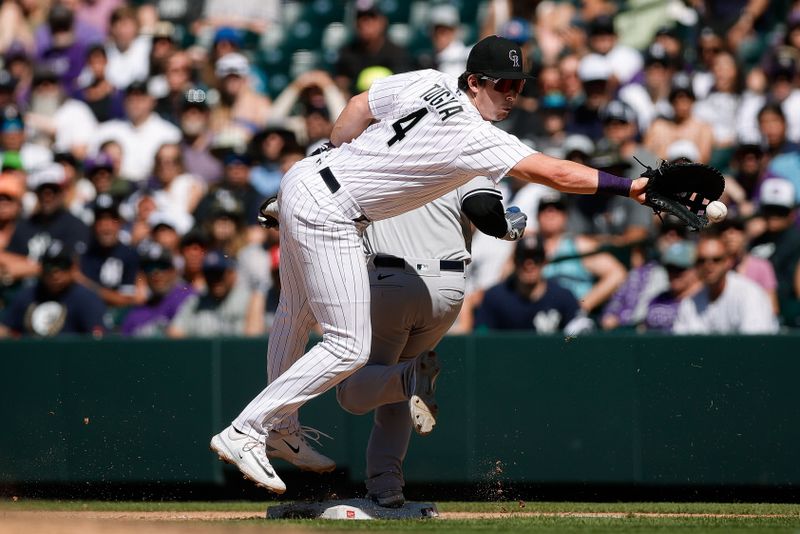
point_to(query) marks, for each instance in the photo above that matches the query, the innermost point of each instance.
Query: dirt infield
(218, 522)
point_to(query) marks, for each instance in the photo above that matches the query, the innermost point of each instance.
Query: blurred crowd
(138, 139)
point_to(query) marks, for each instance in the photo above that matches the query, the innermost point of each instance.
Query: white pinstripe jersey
(431, 231)
(428, 140)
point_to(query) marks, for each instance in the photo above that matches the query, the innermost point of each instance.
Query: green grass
(788, 522)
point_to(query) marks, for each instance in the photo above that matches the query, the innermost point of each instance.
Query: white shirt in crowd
(742, 308)
(133, 64)
(139, 144)
(75, 124)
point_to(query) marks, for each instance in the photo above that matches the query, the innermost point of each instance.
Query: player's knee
(346, 399)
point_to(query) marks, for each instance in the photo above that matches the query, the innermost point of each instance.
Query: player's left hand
(268, 213)
(516, 221)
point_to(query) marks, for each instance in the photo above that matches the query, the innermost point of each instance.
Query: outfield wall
(605, 409)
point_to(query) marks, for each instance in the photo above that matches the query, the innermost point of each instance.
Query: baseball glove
(684, 190)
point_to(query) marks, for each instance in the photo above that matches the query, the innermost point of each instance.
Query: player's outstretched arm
(570, 177)
(353, 120)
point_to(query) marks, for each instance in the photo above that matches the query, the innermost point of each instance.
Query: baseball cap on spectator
(517, 29)
(195, 98)
(747, 147)
(444, 15)
(60, 18)
(11, 187)
(367, 8)
(16, 51)
(731, 221)
(154, 256)
(777, 193)
(136, 87)
(602, 25)
(195, 236)
(12, 124)
(56, 256)
(496, 57)
(105, 204)
(11, 160)
(164, 29)
(617, 110)
(227, 206)
(681, 85)
(101, 161)
(594, 67)
(216, 261)
(49, 175)
(578, 143)
(232, 64)
(669, 31)
(680, 254)
(67, 158)
(228, 35)
(656, 54)
(554, 199)
(553, 101)
(529, 248)
(610, 159)
(44, 74)
(683, 148)
(782, 64)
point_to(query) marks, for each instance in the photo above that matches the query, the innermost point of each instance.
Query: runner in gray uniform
(410, 139)
(416, 273)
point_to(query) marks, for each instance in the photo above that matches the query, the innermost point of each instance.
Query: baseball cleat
(297, 451)
(249, 456)
(393, 498)
(422, 403)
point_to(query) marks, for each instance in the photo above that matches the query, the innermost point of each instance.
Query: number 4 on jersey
(402, 125)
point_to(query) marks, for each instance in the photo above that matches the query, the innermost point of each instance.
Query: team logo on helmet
(514, 57)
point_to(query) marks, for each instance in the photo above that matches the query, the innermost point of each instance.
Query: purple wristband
(614, 185)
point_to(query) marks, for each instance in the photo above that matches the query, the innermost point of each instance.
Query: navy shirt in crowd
(34, 312)
(503, 308)
(113, 268)
(35, 235)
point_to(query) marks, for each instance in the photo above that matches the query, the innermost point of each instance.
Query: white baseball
(716, 211)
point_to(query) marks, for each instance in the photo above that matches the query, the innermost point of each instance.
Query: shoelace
(259, 448)
(312, 434)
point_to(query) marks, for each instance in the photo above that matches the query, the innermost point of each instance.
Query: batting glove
(516, 222)
(324, 147)
(268, 213)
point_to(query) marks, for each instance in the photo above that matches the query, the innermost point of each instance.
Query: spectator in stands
(99, 172)
(594, 73)
(109, 267)
(64, 123)
(256, 16)
(772, 125)
(720, 107)
(683, 124)
(13, 139)
(627, 307)
(748, 170)
(449, 53)
(163, 46)
(241, 112)
(175, 189)
(62, 43)
(128, 52)
(236, 185)
(197, 137)
(573, 260)
(51, 222)
(649, 99)
(728, 303)
(166, 229)
(370, 48)
(105, 100)
(733, 233)
(266, 148)
(780, 241)
(140, 135)
(527, 300)
(624, 60)
(225, 226)
(193, 250)
(12, 266)
(177, 81)
(678, 260)
(56, 305)
(570, 80)
(167, 292)
(219, 310)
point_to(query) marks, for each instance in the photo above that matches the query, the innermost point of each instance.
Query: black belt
(330, 180)
(400, 263)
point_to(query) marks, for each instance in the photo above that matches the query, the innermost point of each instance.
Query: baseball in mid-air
(716, 211)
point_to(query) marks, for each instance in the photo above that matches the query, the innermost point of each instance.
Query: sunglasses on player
(504, 85)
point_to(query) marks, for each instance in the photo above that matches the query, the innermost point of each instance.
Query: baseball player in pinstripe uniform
(408, 140)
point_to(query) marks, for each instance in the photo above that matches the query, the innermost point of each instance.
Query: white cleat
(249, 455)
(422, 403)
(297, 451)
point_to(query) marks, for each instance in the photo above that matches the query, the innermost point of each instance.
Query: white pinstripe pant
(324, 278)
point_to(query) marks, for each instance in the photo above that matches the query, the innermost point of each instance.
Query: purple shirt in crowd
(661, 312)
(153, 318)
